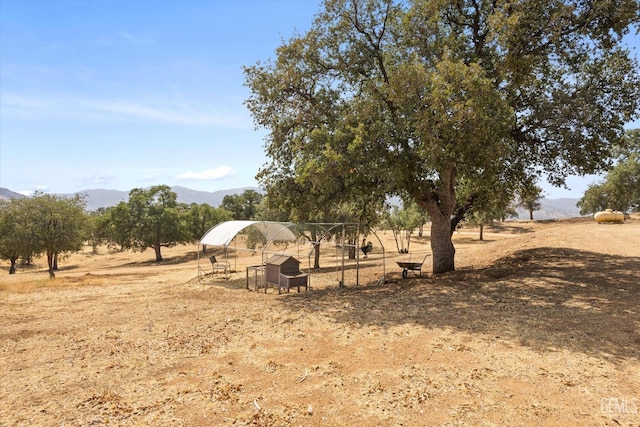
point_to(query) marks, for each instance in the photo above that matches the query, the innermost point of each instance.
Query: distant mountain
(188, 196)
(5, 193)
(553, 209)
(100, 198)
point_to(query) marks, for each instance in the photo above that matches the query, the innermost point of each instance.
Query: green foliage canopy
(151, 218)
(44, 223)
(402, 222)
(200, 218)
(620, 189)
(242, 206)
(529, 195)
(15, 232)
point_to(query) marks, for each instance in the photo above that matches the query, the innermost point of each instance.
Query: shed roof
(223, 233)
(281, 259)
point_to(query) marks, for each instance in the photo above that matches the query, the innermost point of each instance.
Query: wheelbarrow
(411, 266)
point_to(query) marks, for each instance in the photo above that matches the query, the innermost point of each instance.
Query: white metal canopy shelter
(223, 233)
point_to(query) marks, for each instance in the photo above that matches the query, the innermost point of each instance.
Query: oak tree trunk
(441, 205)
(441, 245)
(156, 248)
(316, 249)
(52, 274)
(352, 248)
(408, 241)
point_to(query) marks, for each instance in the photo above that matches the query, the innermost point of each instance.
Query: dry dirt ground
(539, 325)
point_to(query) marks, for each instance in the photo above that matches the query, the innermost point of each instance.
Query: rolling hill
(102, 198)
(5, 193)
(553, 209)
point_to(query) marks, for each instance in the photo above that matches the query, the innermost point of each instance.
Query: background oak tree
(528, 195)
(15, 232)
(57, 225)
(201, 217)
(151, 218)
(620, 188)
(242, 206)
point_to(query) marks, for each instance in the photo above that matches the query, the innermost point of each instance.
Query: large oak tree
(441, 101)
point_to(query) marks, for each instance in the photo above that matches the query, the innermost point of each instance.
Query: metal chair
(223, 266)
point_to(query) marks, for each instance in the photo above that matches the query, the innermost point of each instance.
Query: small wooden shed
(283, 271)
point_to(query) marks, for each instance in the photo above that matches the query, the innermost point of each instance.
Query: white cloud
(209, 174)
(28, 193)
(164, 111)
(171, 115)
(25, 102)
(156, 114)
(148, 177)
(135, 39)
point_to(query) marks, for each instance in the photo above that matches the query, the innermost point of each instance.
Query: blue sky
(120, 94)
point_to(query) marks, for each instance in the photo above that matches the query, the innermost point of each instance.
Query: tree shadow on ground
(218, 279)
(544, 298)
(505, 227)
(170, 260)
